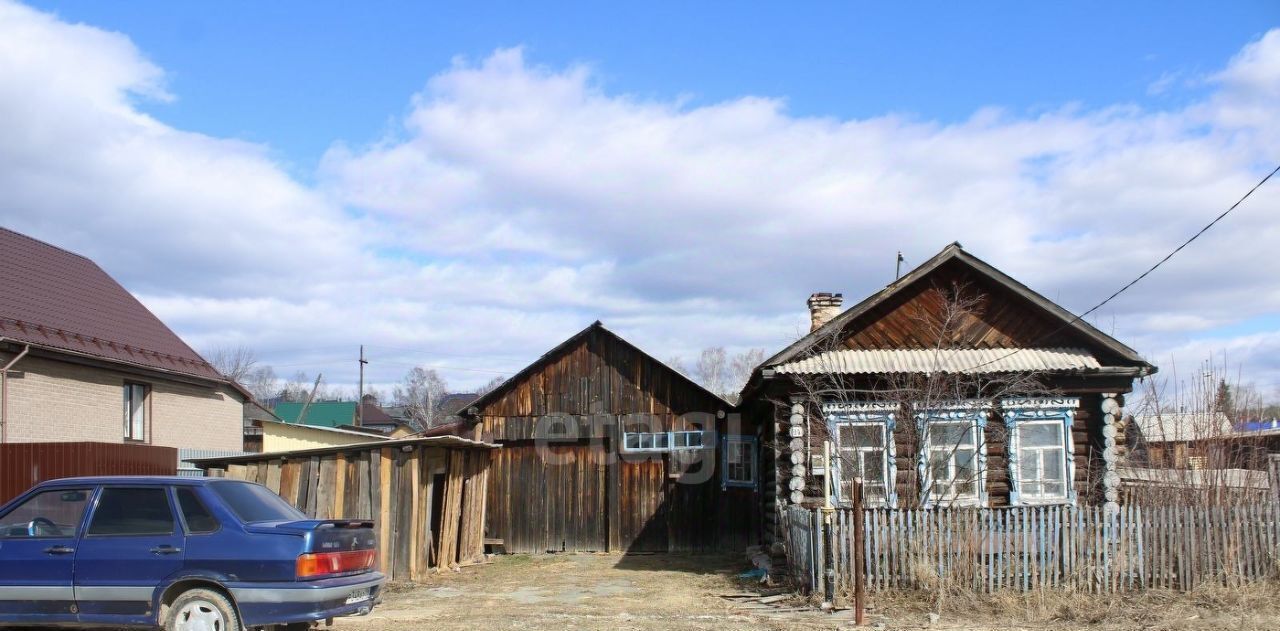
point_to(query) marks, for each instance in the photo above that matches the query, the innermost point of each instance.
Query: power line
(1142, 275)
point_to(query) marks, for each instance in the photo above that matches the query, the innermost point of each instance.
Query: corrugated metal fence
(188, 470)
(24, 464)
(1032, 548)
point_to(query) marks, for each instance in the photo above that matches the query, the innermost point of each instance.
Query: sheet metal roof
(319, 414)
(448, 442)
(54, 298)
(984, 360)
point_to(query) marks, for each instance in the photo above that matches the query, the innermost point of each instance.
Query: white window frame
(1037, 410)
(135, 429)
(973, 415)
(862, 453)
(880, 415)
(752, 464)
(1016, 444)
(648, 442)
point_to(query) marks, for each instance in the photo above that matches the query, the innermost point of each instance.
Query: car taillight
(329, 563)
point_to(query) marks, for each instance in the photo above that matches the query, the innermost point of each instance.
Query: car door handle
(59, 550)
(165, 550)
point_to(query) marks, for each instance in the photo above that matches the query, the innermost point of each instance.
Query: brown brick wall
(62, 402)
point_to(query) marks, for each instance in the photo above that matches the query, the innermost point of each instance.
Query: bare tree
(262, 383)
(420, 392)
(712, 369)
(740, 368)
(490, 385)
(298, 387)
(374, 395)
(234, 362)
(934, 405)
(1186, 446)
(676, 363)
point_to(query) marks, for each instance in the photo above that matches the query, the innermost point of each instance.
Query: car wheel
(202, 610)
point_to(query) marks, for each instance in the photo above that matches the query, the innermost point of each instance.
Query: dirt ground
(623, 593)
(585, 591)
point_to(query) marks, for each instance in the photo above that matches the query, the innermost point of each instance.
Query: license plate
(357, 596)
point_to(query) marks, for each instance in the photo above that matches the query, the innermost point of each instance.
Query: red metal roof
(55, 298)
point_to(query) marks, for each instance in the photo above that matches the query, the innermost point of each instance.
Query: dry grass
(1250, 607)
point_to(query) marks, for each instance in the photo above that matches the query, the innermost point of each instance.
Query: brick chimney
(822, 307)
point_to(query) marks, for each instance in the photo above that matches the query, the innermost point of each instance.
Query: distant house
(81, 359)
(341, 414)
(318, 413)
(453, 403)
(254, 412)
(278, 436)
(1180, 440)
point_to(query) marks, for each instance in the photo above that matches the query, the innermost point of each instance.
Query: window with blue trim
(954, 475)
(863, 450)
(739, 461)
(952, 462)
(1042, 460)
(1041, 465)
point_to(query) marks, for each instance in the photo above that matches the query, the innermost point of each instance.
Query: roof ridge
(48, 245)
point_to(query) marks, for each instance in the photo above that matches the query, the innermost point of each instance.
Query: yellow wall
(282, 437)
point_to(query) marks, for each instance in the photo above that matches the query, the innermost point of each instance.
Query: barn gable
(595, 372)
(605, 448)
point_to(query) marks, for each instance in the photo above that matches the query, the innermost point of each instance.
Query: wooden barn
(1029, 407)
(604, 448)
(426, 495)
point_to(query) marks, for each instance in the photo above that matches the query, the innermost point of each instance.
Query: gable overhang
(128, 368)
(1136, 365)
(473, 410)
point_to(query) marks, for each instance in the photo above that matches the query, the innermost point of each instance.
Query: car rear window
(253, 503)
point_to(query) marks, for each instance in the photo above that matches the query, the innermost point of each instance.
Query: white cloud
(519, 202)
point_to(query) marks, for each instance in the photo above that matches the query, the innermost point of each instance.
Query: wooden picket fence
(1035, 548)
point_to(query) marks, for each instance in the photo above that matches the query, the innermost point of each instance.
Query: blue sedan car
(184, 554)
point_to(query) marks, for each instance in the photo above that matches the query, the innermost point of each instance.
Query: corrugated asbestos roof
(1163, 427)
(977, 360)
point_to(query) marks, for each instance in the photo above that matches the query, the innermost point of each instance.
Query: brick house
(82, 360)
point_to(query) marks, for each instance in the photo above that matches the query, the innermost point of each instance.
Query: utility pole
(360, 396)
(302, 416)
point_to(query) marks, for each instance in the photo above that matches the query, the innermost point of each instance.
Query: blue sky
(463, 187)
(300, 75)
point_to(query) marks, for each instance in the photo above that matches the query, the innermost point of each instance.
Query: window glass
(953, 471)
(662, 441)
(253, 503)
(47, 514)
(862, 453)
(198, 518)
(739, 461)
(128, 511)
(135, 411)
(1042, 460)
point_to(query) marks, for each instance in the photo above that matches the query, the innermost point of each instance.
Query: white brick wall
(62, 402)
